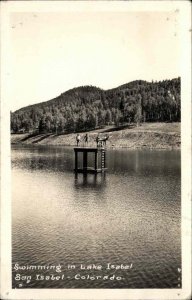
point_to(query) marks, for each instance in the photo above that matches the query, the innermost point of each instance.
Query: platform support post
(76, 161)
(85, 160)
(96, 161)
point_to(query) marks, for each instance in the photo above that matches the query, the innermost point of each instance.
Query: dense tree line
(89, 107)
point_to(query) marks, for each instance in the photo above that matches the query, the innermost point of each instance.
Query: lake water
(125, 223)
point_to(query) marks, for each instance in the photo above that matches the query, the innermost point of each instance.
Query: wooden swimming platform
(99, 160)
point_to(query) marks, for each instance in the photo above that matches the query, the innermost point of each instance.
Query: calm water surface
(130, 216)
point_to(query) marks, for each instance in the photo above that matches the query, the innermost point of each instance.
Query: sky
(54, 52)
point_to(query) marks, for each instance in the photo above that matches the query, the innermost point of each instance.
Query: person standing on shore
(78, 138)
(98, 140)
(86, 139)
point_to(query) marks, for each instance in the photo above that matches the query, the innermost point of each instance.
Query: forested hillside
(87, 107)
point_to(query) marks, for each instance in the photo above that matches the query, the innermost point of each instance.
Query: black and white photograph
(96, 150)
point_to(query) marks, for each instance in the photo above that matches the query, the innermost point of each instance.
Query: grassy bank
(148, 135)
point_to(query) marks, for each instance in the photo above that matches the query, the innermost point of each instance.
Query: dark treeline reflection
(141, 162)
(44, 158)
(144, 162)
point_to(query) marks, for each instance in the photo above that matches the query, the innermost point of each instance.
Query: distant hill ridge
(90, 107)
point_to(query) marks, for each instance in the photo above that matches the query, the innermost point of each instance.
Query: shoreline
(147, 136)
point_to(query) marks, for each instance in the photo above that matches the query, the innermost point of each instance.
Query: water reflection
(144, 162)
(131, 213)
(135, 162)
(91, 181)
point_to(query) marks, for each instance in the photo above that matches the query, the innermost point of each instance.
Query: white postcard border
(7, 8)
